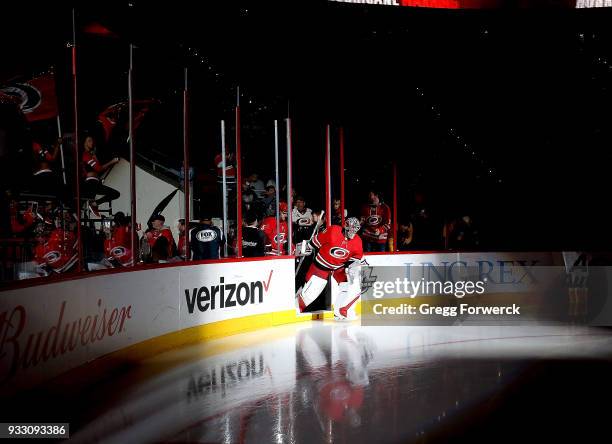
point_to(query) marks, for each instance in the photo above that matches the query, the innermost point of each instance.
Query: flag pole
(238, 178)
(394, 206)
(289, 189)
(59, 134)
(224, 187)
(132, 155)
(187, 181)
(75, 142)
(327, 178)
(278, 237)
(342, 204)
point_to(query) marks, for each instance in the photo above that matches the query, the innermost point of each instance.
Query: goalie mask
(351, 227)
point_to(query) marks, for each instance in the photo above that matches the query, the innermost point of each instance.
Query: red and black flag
(117, 114)
(35, 97)
(95, 29)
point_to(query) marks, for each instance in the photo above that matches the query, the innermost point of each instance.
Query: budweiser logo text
(18, 352)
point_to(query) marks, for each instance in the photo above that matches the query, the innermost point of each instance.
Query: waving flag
(118, 113)
(99, 30)
(36, 97)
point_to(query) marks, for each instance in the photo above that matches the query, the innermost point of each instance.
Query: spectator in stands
(57, 248)
(273, 238)
(254, 183)
(426, 231)
(205, 240)
(461, 234)
(118, 246)
(46, 180)
(404, 235)
(157, 231)
(269, 201)
(249, 200)
(376, 220)
(337, 213)
(253, 239)
(93, 182)
(303, 222)
(230, 168)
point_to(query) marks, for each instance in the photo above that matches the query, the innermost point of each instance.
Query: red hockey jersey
(377, 222)
(59, 252)
(41, 154)
(268, 226)
(119, 247)
(91, 162)
(335, 250)
(230, 169)
(153, 235)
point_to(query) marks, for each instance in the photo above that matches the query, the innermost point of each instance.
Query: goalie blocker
(335, 252)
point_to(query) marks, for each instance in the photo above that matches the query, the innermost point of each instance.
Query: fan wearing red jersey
(93, 182)
(339, 253)
(230, 167)
(159, 230)
(44, 180)
(376, 216)
(58, 252)
(118, 248)
(268, 226)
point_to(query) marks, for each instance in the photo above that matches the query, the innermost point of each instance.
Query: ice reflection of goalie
(339, 375)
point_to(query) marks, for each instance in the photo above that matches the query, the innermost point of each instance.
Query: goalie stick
(314, 232)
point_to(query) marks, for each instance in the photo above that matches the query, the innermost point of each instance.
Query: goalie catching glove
(353, 271)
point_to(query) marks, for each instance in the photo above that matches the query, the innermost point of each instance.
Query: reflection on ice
(319, 382)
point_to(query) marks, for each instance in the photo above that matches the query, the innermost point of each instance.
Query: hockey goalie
(336, 252)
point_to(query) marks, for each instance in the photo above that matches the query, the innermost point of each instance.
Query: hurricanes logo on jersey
(339, 253)
(303, 221)
(206, 235)
(118, 251)
(279, 237)
(52, 256)
(374, 220)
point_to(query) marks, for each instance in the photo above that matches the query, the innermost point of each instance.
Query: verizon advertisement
(73, 322)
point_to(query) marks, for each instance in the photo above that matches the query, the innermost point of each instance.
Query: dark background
(500, 114)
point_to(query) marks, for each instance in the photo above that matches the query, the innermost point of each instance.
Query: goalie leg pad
(348, 295)
(312, 289)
